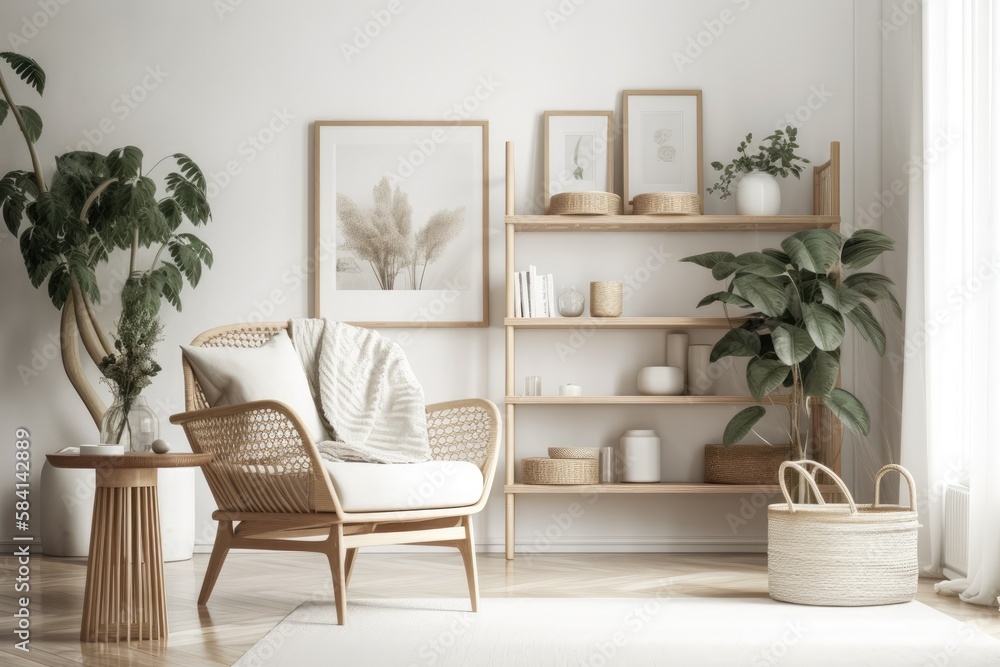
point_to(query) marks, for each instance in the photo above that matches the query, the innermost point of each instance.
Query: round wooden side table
(124, 596)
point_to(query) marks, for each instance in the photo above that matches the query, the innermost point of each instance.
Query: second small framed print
(662, 142)
(578, 152)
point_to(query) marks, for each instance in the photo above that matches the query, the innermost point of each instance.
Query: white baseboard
(643, 544)
(708, 544)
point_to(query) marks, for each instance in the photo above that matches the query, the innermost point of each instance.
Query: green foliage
(32, 121)
(27, 69)
(93, 206)
(56, 231)
(133, 366)
(777, 158)
(63, 241)
(740, 425)
(794, 337)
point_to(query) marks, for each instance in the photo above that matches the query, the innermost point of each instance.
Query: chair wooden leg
(223, 538)
(337, 555)
(468, 551)
(352, 555)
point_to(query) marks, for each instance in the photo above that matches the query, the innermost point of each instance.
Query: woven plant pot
(666, 203)
(606, 298)
(585, 203)
(844, 554)
(559, 471)
(744, 464)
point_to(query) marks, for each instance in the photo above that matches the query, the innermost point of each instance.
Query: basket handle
(906, 475)
(801, 467)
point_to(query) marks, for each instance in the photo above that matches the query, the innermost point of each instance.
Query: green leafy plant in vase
(757, 191)
(800, 309)
(74, 221)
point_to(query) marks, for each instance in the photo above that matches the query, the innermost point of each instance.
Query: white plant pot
(757, 193)
(67, 503)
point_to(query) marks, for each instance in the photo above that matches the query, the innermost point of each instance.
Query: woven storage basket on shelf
(574, 452)
(585, 203)
(606, 298)
(666, 203)
(559, 471)
(843, 555)
(744, 464)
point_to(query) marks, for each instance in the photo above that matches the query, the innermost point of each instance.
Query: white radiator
(955, 551)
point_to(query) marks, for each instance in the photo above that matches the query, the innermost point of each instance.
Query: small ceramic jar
(639, 456)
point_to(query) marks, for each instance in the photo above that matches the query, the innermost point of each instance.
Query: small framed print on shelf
(662, 142)
(578, 148)
(401, 231)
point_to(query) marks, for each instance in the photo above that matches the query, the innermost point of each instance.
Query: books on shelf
(534, 294)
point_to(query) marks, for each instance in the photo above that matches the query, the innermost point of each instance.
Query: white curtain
(951, 385)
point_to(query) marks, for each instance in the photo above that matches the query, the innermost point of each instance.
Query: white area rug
(595, 632)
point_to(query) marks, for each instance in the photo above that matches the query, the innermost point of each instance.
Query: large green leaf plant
(92, 206)
(801, 308)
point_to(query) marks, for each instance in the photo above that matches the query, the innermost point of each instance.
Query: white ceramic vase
(700, 380)
(677, 351)
(639, 456)
(757, 193)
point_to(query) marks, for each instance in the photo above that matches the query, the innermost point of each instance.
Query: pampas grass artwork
(383, 239)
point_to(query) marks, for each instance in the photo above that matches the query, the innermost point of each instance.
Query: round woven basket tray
(559, 471)
(574, 452)
(666, 203)
(585, 203)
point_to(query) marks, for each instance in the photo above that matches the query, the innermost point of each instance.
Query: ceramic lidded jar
(639, 456)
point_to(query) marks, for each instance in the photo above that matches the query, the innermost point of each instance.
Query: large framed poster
(401, 228)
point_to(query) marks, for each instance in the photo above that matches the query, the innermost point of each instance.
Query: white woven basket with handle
(843, 554)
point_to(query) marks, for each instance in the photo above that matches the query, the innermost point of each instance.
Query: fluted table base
(124, 596)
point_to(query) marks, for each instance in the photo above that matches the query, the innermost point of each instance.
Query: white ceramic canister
(639, 456)
(758, 193)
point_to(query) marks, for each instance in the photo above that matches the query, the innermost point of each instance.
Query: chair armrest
(264, 459)
(466, 430)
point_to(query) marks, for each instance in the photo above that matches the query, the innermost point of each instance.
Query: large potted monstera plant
(799, 304)
(75, 219)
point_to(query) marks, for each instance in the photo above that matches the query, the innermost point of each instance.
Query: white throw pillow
(270, 372)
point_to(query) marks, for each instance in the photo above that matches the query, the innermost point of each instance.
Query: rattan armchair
(271, 487)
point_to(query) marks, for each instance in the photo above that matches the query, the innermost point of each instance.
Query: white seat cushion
(382, 487)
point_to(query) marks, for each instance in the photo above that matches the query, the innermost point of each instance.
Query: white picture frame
(662, 143)
(578, 152)
(401, 226)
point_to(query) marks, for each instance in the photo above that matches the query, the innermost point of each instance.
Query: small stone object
(161, 446)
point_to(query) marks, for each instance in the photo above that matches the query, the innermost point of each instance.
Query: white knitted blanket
(368, 395)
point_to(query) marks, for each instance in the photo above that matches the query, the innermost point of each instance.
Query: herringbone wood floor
(255, 591)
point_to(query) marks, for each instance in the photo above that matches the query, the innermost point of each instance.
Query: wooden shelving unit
(622, 322)
(826, 432)
(642, 400)
(671, 223)
(664, 487)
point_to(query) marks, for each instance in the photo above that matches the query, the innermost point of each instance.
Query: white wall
(227, 69)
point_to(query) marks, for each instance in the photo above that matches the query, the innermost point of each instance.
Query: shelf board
(669, 223)
(642, 400)
(665, 487)
(623, 322)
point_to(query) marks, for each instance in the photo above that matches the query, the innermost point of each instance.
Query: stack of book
(534, 294)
